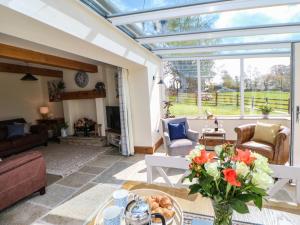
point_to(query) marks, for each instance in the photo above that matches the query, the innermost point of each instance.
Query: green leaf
(194, 188)
(258, 202)
(239, 206)
(259, 191)
(246, 197)
(191, 176)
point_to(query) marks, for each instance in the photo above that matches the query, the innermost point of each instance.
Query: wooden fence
(225, 99)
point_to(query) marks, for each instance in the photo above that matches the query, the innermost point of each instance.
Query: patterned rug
(64, 159)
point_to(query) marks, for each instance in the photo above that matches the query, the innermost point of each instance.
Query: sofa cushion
(14, 130)
(265, 132)
(177, 130)
(265, 149)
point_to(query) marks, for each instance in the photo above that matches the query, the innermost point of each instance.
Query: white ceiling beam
(220, 33)
(218, 48)
(197, 9)
(227, 56)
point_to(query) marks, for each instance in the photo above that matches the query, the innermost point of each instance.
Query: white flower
(218, 149)
(262, 180)
(261, 164)
(212, 169)
(194, 153)
(242, 169)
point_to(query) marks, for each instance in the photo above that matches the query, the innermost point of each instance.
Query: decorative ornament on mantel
(81, 79)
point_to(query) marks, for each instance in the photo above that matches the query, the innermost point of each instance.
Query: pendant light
(28, 76)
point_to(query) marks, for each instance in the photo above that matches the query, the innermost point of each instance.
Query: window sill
(243, 118)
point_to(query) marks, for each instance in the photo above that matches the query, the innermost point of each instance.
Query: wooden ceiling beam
(11, 52)
(14, 68)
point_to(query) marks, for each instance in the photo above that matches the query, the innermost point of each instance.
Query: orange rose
(244, 156)
(230, 176)
(204, 157)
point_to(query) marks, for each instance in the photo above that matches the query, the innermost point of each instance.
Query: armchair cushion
(177, 130)
(181, 143)
(265, 132)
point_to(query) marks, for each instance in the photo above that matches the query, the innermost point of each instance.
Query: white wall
(85, 33)
(23, 98)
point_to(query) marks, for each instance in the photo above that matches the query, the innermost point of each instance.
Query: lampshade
(44, 110)
(28, 77)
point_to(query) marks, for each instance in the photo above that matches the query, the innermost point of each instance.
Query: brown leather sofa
(277, 154)
(9, 146)
(20, 176)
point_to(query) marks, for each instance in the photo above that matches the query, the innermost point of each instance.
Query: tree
(281, 75)
(227, 80)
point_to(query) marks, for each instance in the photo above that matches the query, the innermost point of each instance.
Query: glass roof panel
(233, 52)
(232, 19)
(114, 7)
(229, 40)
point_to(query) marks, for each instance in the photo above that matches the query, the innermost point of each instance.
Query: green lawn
(228, 104)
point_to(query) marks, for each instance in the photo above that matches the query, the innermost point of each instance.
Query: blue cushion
(177, 130)
(14, 130)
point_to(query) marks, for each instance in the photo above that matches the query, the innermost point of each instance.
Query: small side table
(52, 125)
(209, 135)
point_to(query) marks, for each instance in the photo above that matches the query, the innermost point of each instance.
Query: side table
(52, 125)
(213, 138)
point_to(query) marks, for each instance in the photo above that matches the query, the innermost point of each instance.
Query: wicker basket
(177, 220)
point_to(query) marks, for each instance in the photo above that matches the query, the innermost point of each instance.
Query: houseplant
(63, 129)
(230, 179)
(265, 110)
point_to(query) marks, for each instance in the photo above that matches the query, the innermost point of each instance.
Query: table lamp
(44, 110)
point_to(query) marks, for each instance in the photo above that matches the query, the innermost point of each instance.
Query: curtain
(127, 148)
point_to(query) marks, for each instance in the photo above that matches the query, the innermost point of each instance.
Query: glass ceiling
(117, 7)
(261, 25)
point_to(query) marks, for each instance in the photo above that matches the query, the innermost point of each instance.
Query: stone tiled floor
(101, 176)
(108, 171)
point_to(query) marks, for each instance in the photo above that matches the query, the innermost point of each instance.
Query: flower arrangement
(230, 178)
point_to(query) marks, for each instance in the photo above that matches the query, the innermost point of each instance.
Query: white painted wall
(23, 98)
(85, 33)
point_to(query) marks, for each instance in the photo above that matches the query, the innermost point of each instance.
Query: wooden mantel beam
(11, 52)
(14, 68)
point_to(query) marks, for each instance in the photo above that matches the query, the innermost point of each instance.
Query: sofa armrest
(282, 146)
(39, 129)
(244, 133)
(166, 138)
(18, 160)
(193, 135)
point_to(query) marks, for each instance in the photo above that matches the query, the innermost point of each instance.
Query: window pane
(232, 19)
(220, 86)
(180, 78)
(267, 81)
(129, 6)
(229, 40)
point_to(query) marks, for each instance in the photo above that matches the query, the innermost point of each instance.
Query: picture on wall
(55, 89)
